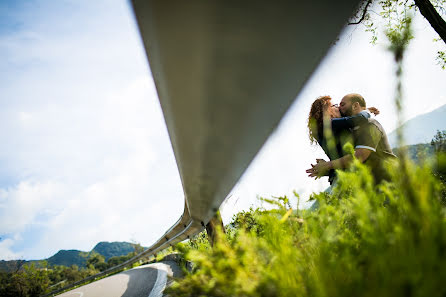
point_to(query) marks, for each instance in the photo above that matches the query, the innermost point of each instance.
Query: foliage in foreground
(364, 240)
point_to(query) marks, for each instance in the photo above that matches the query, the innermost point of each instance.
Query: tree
(247, 220)
(37, 279)
(439, 141)
(29, 281)
(97, 261)
(138, 248)
(115, 261)
(439, 145)
(396, 13)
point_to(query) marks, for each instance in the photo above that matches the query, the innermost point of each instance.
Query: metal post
(211, 227)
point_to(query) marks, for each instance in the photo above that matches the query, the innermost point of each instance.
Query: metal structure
(226, 71)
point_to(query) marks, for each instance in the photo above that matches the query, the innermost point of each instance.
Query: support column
(211, 228)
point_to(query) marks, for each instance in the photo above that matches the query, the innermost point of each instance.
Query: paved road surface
(144, 281)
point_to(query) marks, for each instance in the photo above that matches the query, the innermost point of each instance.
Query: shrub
(364, 240)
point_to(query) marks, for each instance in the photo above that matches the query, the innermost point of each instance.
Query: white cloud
(88, 155)
(129, 205)
(20, 205)
(120, 182)
(6, 252)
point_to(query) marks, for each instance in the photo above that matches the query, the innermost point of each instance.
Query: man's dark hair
(358, 98)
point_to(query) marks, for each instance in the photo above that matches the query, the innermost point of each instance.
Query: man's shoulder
(368, 135)
(373, 123)
(370, 124)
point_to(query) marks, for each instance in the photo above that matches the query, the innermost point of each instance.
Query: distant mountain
(68, 258)
(12, 265)
(76, 257)
(422, 128)
(113, 249)
(417, 152)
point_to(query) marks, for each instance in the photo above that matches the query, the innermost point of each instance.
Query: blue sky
(86, 156)
(87, 150)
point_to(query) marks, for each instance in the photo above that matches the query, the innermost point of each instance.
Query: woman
(330, 130)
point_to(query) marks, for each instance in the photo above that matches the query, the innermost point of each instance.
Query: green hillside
(421, 128)
(12, 265)
(113, 249)
(68, 258)
(417, 152)
(76, 257)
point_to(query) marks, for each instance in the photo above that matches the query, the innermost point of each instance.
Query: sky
(85, 154)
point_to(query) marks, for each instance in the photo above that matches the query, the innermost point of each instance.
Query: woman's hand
(321, 168)
(374, 110)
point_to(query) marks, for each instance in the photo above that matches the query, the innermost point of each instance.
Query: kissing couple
(332, 126)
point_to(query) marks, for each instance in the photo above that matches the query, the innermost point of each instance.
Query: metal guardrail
(226, 71)
(181, 230)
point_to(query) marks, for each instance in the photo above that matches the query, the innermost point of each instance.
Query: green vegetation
(392, 15)
(39, 277)
(113, 249)
(68, 258)
(117, 250)
(364, 240)
(419, 153)
(29, 281)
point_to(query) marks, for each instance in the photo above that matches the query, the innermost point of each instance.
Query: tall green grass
(364, 240)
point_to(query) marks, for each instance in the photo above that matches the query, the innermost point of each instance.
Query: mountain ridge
(422, 128)
(76, 257)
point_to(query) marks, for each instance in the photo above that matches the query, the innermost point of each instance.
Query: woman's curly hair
(316, 118)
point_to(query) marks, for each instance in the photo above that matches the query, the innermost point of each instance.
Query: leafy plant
(365, 240)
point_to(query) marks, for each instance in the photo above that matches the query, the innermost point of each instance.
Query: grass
(364, 240)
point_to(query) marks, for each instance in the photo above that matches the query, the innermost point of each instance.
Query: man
(370, 141)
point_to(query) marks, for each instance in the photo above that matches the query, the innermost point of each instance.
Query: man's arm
(362, 154)
(322, 167)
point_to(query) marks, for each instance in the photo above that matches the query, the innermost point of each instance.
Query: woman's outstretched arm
(345, 123)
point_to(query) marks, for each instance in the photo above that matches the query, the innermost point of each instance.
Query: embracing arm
(340, 124)
(361, 154)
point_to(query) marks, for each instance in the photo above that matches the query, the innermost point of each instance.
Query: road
(143, 281)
